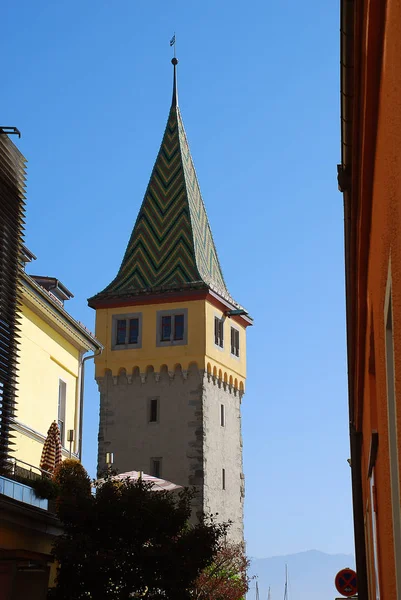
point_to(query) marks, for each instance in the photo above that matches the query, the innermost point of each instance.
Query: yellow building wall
(222, 358)
(200, 348)
(45, 358)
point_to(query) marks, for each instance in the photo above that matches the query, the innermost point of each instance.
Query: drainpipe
(81, 399)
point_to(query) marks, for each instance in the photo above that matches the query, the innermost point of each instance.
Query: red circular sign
(345, 582)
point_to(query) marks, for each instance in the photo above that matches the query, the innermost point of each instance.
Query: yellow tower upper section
(178, 332)
(169, 304)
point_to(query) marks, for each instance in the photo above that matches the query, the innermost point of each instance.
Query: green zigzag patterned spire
(171, 245)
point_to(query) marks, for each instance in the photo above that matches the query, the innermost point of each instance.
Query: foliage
(72, 477)
(44, 488)
(6, 469)
(225, 579)
(129, 542)
(74, 487)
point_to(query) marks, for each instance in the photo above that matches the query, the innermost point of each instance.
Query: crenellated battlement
(222, 379)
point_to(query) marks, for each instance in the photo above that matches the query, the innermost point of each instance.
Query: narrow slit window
(156, 467)
(222, 415)
(223, 479)
(153, 411)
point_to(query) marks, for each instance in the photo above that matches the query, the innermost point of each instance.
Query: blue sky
(89, 85)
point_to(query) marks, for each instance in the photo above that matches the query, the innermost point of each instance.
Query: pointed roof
(171, 246)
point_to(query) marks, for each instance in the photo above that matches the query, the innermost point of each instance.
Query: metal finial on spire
(174, 62)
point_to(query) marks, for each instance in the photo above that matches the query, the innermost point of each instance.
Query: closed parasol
(51, 453)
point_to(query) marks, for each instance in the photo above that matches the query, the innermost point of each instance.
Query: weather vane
(172, 43)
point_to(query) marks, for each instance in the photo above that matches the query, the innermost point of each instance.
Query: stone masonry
(188, 436)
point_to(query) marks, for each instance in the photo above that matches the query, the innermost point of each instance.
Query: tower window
(223, 479)
(234, 341)
(126, 331)
(156, 467)
(62, 394)
(222, 415)
(219, 332)
(179, 327)
(121, 331)
(154, 410)
(133, 332)
(172, 327)
(166, 329)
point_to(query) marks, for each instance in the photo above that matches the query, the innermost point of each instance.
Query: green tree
(129, 542)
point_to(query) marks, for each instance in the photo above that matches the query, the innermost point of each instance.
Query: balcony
(22, 493)
(15, 484)
(29, 528)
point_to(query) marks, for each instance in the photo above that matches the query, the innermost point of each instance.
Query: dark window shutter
(216, 330)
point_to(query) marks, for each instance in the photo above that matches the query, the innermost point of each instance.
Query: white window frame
(126, 317)
(61, 409)
(171, 313)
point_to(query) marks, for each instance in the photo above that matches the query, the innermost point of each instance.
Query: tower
(172, 374)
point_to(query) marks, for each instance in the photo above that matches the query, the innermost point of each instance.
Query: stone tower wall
(223, 450)
(177, 437)
(188, 436)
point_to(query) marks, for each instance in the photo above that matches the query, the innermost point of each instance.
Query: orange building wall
(385, 241)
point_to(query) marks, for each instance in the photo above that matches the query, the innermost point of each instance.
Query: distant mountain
(310, 575)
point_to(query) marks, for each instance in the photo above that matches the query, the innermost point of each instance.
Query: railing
(13, 488)
(32, 473)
